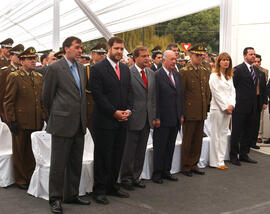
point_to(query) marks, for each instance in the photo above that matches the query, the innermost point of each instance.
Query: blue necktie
(76, 76)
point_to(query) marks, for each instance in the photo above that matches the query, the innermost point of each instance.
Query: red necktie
(144, 79)
(117, 71)
(170, 75)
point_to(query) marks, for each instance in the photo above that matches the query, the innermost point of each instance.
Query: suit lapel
(138, 76)
(81, 75)
(67, 70)
(165, 76)
(111, 70)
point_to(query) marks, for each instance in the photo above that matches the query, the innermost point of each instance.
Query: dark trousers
(108, 152)
(243, 126)
(23, 158)
(191, 144)
(257, 124)
(89, 111)
(163, 144)
(66, 166)
(134, 153)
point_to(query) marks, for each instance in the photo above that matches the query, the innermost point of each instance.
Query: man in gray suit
(141, 119)
(63, 97)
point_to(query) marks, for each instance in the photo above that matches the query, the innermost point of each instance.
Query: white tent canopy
(31, 22)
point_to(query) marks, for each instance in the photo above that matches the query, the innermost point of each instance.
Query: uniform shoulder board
(3, 68)
(39, 74)
(15, 73)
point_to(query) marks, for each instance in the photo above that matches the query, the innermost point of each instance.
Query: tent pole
(56, 24)
(96, 22)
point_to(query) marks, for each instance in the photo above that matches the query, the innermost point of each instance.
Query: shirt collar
(112, 63)
(69, 63)
(138, 68)
(167, 72)
(248, 65)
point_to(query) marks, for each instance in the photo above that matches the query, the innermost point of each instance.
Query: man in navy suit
(169, 116)
(112, 93)
(244, 116)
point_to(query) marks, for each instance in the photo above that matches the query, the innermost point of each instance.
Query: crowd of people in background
(119, 99)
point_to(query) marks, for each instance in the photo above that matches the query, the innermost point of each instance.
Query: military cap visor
(18, 49)
(28, 53)
(198, 49)
(7, 43)
(59, 54)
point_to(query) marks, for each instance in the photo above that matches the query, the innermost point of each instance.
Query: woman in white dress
(222, 105)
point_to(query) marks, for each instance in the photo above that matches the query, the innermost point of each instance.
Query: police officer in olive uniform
(196, 98)
(97, 54)
(5, 71)
(6, 45)
(24, 114)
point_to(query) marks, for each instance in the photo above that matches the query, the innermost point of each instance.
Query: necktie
(253, 74)
(144, 78)
(117, 71)
(76, 76)
(170, 75)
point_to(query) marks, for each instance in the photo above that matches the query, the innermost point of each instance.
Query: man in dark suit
(143, 118)
(64, 100)
(261, 105)
(173, 47)
(112, 93)
(244, 115)
(169, 115)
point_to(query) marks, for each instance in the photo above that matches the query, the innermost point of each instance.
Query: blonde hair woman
(222, 105)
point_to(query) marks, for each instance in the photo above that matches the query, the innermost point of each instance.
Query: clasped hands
(229, 109)
(121, 116)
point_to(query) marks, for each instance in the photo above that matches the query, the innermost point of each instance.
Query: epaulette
(39, 74)
(14, 74)
(22, 74)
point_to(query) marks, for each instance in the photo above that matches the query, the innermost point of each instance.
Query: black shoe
(198, 172)
(169, 177)
(157, 180)
(78, 200)
(127, 186)
(56, 207)
(101, 199)
(23, 186)
(247, 159)
(139, 183)
(187, 173)
(267, 141)
(255, 147)
(119, 193)
(235, 162)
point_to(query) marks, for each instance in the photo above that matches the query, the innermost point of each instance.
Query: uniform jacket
(62, 100)
(4, 62)
(22, 100)
(170, 98)
(110, 93)
(4, 72)
(196, 91)
(246, 90)
(223, 92)
(144, 104)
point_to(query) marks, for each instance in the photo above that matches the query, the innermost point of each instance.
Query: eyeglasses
(198, 55)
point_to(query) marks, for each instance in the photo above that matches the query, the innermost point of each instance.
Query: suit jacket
(262, 90)
(22, 100)
(170, 98)
(223, 92)
(62, 101)
(110, 93)
(246, 91)
(144, 104)
(153, 67)
(196, 92)
(42, 70)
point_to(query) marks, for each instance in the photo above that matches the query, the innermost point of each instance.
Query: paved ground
(239, 190)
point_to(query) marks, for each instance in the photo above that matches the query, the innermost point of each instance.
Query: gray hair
(166, 53)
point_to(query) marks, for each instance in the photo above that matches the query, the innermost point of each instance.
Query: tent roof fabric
(30, 22)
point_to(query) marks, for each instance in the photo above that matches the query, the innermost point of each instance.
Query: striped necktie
(252, 72)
